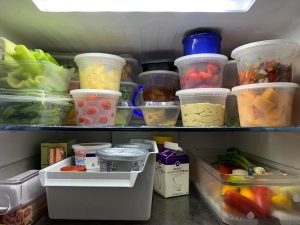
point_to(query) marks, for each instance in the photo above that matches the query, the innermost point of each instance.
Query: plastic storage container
(34, 75)
(266, 104)
(131, 70)
(201, 70)
(85, 154)
(33, 107)
(128, 89)
(159, 64)
(95, 107)
(203, 106)
(160, 113)
(159, 85)
(124, 114)
(102, 196)
(230, 75)
(202, 43)
(99, 71)
(281, 188)
(121, 159)
(265, 61)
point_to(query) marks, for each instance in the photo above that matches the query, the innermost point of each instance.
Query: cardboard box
(55, 150)
(171, 173)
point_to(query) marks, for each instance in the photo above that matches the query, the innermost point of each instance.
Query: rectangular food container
(265, 104)
(266, 61)
(131, 69)
(34, 75)
(33, 107)
(22, 198)
(102, 195)
(124, 114)
(282, 190)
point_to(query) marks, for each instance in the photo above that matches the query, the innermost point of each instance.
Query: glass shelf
(147, 128)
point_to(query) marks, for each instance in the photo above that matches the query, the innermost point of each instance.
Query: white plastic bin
(100, 195)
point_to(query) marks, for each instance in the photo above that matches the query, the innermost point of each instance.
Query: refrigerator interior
(149, 36)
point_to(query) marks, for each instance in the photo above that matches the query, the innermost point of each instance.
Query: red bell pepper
(224, 169)
(213, 68)
(244, 205)
(263, 199)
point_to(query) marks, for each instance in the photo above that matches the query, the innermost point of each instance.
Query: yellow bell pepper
(282, 201)
(226, 188)
(247, 192)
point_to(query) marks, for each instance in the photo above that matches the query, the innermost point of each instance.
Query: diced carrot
(213, 68)
(205, 75)
(193, 69)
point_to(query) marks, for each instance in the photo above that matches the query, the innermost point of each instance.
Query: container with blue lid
(198, 43)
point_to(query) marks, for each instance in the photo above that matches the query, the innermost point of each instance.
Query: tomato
(213, 68)
(80, 103)
(224, 169)
(84, 120)
(102, 119)
(105, 104)
(92, 110)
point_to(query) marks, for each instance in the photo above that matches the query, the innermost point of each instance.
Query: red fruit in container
(92, 110)
(80, 103)
(105, 104)
(102, 119)
(213, 68)
(84, 120)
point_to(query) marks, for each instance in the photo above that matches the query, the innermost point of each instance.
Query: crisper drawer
(276, 196)
(100, 195)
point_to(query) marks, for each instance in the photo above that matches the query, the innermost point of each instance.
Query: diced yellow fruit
(248, 95)
(226, 188)
(270, 95)
(263, 105)
(247, 192)
(282, 201)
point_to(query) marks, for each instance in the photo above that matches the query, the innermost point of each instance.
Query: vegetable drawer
(272, 198)
(100, 195)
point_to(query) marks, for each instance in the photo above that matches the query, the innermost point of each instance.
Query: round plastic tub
(265, 61)
(121, 159)
(99, 71)
(131, 70)
(124, 114)
(95, 107)
(202, 43)
(85, 154)
(266, 104)
(203, 106)
(201, 70)
(128, 90)
(159, 64)
(160, 113)
(230, 75)
(159, 85)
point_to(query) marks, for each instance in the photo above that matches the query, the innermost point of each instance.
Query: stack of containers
(129, 90)
(96, 101)
(160, 107)
(201, 72)
(33, 87)
(265, 97)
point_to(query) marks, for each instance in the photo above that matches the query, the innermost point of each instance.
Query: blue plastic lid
(201, 35)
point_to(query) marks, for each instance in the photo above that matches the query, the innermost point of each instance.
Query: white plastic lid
(127, 83)
(203, 92)
(96, 92)
(294, 46)
(237, 89)
(122, 154)
(99, 55)
(160, 105)
(135, 145)
(160, 72)
(222, 59)
(91, 146)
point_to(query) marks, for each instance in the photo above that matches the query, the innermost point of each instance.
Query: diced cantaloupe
(248, 95)
(263, 105)
(270, 95)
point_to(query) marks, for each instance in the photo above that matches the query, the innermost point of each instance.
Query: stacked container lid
(201, 72)
(96, 101)
(265, 97)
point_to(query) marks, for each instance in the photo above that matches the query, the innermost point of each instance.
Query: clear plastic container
(266, 104)
(85, 154)
(159, 85)
(160, 113)
(33, 107)
(34, 75)
(95, 107)
(131, 70)
(124, 114)
(278, 191)
(203, 106)
(99, 71)
(201, 70)
(121, 159)
(230, 75)
(128, 89)
(265, 61)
